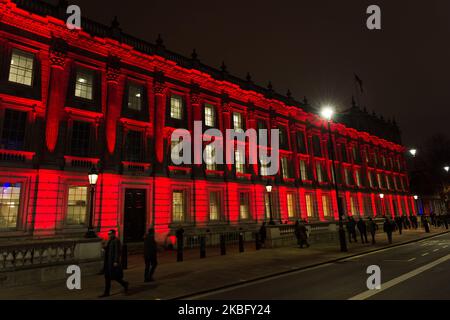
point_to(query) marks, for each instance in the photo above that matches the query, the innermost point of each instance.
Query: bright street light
(447, 168)
(327, 112)
(381, 195)
(413, 152)
(416, 197)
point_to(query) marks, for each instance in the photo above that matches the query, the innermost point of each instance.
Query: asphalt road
(419, 270)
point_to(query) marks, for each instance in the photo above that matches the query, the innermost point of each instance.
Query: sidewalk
(175, 280)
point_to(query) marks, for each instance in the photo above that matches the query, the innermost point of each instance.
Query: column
(160, 117)
(59, 79)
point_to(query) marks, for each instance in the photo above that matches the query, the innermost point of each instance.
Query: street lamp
(93, 177)
(269, 192)
(447, 168)
(413, 152)
(382, 204)
(416, 197)
(327, 113)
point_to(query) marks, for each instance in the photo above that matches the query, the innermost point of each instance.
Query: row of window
(21, 71)
(77, 206)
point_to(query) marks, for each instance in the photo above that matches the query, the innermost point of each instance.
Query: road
(419, 270)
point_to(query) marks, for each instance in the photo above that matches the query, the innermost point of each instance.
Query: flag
(359, 82)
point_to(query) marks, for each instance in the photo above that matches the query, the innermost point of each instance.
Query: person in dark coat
(372, 227)
(425, 224)
(399, 224)
(351, 229)
(112, 267)
(150, 255)
(263, 234)
(388, 228)
(362, 228)
(301, 234)
(414, 222)
(445, 220)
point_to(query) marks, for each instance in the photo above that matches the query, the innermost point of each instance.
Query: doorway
(134, 215)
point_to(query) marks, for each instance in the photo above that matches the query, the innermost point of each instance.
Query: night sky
(313, 48)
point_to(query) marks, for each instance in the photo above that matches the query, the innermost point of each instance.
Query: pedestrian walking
(362, 228)
(111, 266)
(425, 224)
(372, 227)
(446, 221)
(399, 224)
(150, 255)
(388, 228)
(351, 229)
(414, 222)
(301, 234)
(263, 234)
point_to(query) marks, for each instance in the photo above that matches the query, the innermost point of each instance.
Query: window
(347, 177)
(135, 96)
(344, 153)
(239, 161)
(77, 206)
(368, 209)
(355, 153)
(370, 176)
(13, 134)
(319, 172)
(267, 205)
(210, 115)
(264, 169)
(84, 84)
(354, 206)
(262, 139)
(301, 142)
(237, 121)
(358, 178)
(178, 206)
(174, 144)
(210, 157)
(214, 206)
(380, 181)
(388, 182)
(133, 146)
(284, 143)
(303, 170)
(310, 206)
(176, 107)
(80, 138)
(285, 168)
(9, 205)
(290, 199)
(326, 204)
(244, 206)
(21, 67)
(316, 146)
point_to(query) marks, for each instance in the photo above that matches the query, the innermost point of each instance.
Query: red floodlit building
(74, 99)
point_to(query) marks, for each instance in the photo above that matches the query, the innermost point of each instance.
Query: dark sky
(313, 48)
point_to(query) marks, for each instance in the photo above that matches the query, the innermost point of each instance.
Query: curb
(190, 295)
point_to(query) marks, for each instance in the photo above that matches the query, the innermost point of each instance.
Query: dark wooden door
(134, 215)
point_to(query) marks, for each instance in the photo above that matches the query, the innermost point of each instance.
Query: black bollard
(223, 248)
(124, 256)
(202, 247)
(180, 245)
(241, 242)
(257, 242)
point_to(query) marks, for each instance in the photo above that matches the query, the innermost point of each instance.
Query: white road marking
(425, 254)
(412, 259)
(445, 247)
(435, 250)
(369, 293)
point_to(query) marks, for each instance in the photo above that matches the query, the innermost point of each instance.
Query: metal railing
(20, 256)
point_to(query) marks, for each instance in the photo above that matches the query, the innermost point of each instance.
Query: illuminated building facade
(71, 100)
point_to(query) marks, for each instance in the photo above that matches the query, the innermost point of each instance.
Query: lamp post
(327, 113)
(413, 152)
(269, 192)
(382, 204)
(93, 177)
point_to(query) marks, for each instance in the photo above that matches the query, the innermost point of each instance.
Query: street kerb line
(369, 293)
(236, 285)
